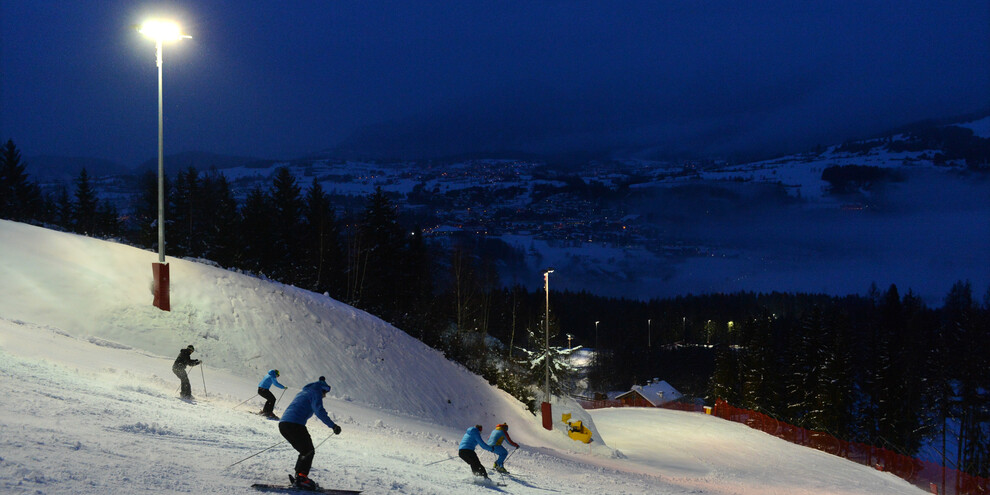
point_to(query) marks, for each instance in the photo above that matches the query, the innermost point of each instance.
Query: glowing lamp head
(162, 31)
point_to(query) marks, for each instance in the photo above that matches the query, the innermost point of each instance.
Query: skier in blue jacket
(263, 390)
(293, 427)
(472, 438)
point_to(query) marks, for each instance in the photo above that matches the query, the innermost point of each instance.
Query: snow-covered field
(90, 404)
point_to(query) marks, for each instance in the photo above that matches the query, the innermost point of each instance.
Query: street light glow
(162, 30)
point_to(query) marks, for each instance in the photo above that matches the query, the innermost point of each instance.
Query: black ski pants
(180, 371)
(269, 400)
(471, 457)
(298, 437)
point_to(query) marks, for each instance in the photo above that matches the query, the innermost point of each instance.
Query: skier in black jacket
(179, 368)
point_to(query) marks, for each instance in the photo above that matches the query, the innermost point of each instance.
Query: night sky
(283, 79)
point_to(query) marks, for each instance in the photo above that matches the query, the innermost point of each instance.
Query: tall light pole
(545, 407)
(546, 287)
(596, 335)
(649, 333)
(161, 31)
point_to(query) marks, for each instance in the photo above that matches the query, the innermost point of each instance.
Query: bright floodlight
(162, 30)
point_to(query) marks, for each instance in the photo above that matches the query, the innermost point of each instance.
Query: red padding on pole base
(547, 415)
(160, 271)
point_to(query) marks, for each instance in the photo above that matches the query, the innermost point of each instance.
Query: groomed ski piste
(90, 405)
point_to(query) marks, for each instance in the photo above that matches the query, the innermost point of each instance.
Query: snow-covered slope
(90, 404)
(239, 323)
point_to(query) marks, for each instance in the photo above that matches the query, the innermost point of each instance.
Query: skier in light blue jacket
(472, 438)
(263, 390)
(293, 427)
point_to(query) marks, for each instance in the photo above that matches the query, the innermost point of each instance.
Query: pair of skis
(291, 487)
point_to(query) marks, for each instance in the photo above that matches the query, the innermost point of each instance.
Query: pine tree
(602, 376)
(758, 367)
(830, 394)
(287, 208)
(966, 331)
(416, 291)
(893, 381)
(220, 233)
(84, 210)
(382, 245)
(257, 229)
(107, 220)
(725, 383)
(323, 250)
(184, 228)
(561, 372)
(913, 339)
(63, 208)
(464, 290)
(146, 210)
(20, 199)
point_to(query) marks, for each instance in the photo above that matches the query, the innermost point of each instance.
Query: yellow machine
(576, 430)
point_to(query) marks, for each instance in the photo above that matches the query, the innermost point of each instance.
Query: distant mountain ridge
(50, 168)
(202, 161)
(47, 168)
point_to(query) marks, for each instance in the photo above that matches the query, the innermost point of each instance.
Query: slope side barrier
(926, 475)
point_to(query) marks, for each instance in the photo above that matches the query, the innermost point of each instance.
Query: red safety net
(929, 476)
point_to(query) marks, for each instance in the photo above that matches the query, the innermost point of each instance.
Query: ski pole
(313, 452)
(242, 403)
(203, 374)
(280, 396)
(324, 441)
(441, 460)
(252, 455)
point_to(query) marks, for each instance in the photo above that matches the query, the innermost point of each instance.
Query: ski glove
(336, 430)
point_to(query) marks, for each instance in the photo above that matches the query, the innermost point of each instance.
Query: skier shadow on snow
(491, 485)
(527, 484)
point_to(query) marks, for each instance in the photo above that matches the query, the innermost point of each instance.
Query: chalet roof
(656, 392)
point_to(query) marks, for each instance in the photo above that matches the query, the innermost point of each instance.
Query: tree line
(882, 369)
(21, 200)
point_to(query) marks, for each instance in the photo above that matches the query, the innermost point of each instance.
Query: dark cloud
(278, 79)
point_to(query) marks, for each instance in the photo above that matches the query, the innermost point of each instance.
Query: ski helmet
(276, 373)
(324, 385)
(191, 348)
